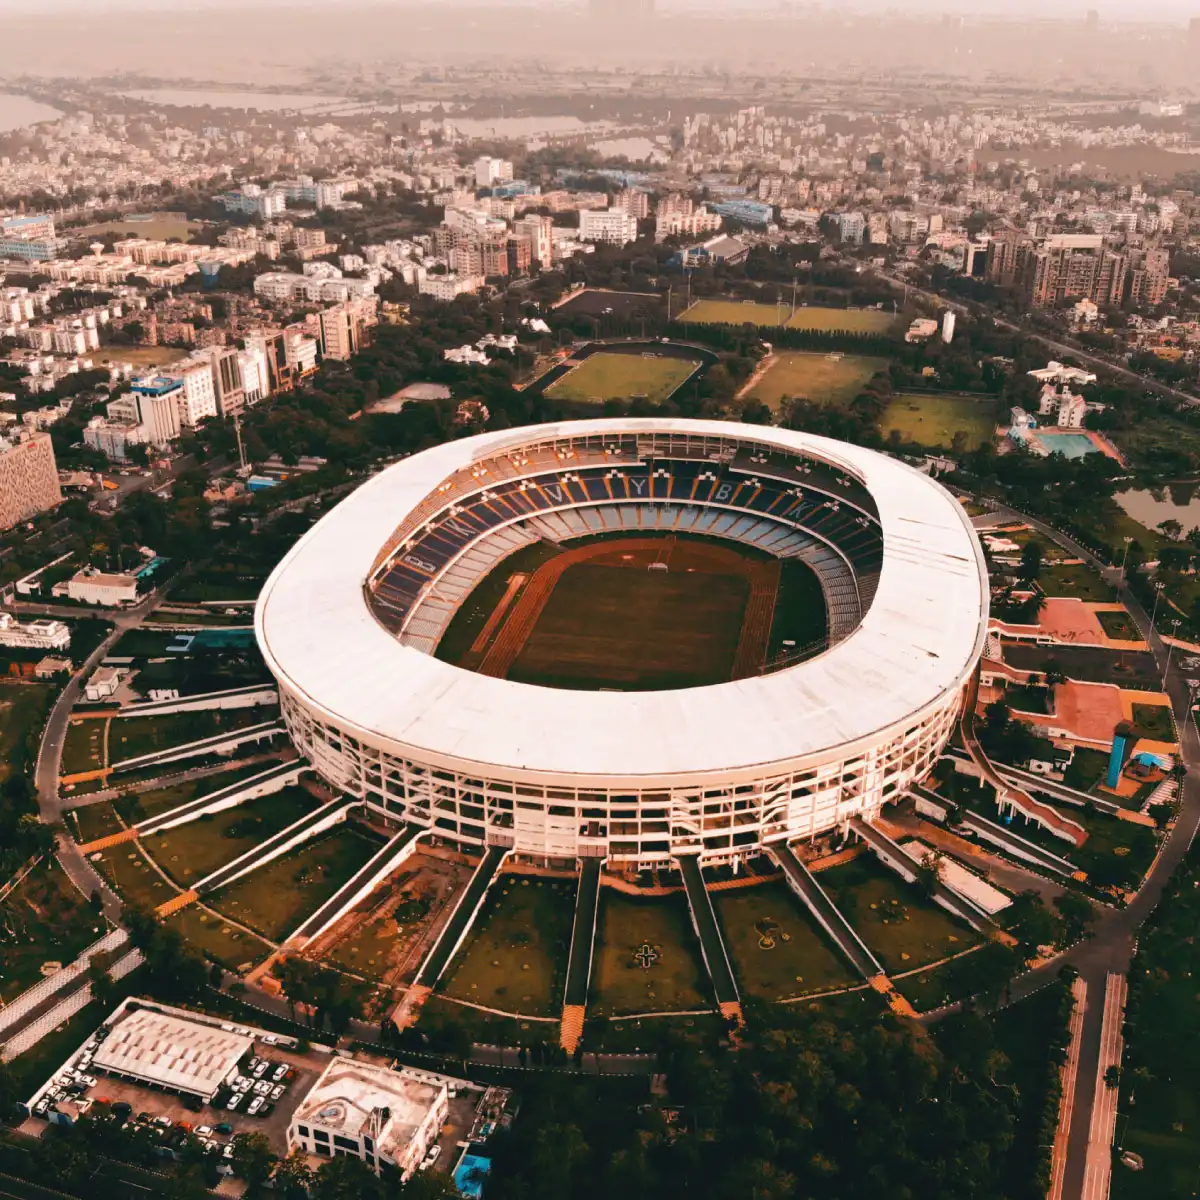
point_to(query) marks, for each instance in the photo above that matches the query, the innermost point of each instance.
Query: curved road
(50, 804)
(1111, 946)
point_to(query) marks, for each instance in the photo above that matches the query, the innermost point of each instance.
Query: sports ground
(935, 420)
(779, 316)
(829, 379)
(605, 376)
(634, 614)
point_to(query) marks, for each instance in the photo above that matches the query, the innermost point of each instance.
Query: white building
(490, 171)
(36, 635)
(1065, 407)
(539, 231)
(376, 1114)
(447, 287)
(1062, 376)
(197, 401)
(103, 683)
(948, 322)
(612, 225)
(467, 356)
(95, 587)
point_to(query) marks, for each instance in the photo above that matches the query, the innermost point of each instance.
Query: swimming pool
(470, 1173)
(1069, 445)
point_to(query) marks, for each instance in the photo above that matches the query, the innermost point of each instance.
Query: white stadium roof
(919, 640)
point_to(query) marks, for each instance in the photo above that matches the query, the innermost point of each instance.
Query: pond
(1175, 502)
(18, 111)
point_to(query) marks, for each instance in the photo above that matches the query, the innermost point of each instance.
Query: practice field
(936, 420)
(816, 318)
(638, 614)
(777, 952)
(516, 957)
(620, 376)
(830, 379)
(674, 980)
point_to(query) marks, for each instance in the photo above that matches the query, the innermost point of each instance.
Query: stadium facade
(350, 619)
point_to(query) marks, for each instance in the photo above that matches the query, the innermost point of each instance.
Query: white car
(255, 1104)
(277, 1091)
(203, 1131)
(227, 1150)
(261, 1069)
(234, 1100)
(279, 1072)
(432, 1157)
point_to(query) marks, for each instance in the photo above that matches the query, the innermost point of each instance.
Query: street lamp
(1170, 647)
(1125, 558)
(1158, 590)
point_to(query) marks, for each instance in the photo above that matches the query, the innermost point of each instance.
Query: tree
(252, 1158)
(1077, 915)
(986, 973)
(1031, 562)
(104, 987)
(929, 873)
(1033, 923)
(293, 1176)
(346, 1178)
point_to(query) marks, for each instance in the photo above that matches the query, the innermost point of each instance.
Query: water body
(257, 101)
(635, 149)
(17, 111)
(1176, 502)
(524, 127)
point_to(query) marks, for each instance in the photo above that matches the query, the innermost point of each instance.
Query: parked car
(234, 1101)
(279, 1072)
(225, 1128)
(435, 1152)
(227, 1150)
(277, 1091)
(262, 1088)
(260, 1069)
(256, 1102)
(203, 1131)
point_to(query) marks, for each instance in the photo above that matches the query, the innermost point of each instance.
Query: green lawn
(1087, 768)
(776, 951)
(814, 317)
(833, 380)
(1118, 625)
(83, 748)
(1077, 580)
(276, 898)
(126, 868)
(675, 982)
(137, 806)
(618, 376)
(131, 737)
(44, 918)
(437, 1013)
(1154, 721)
(190, 852)
(94, 821)
(938, 421)
(515, 958)
(903, 929)
(927, 990)
(215, 938)
(23, 709)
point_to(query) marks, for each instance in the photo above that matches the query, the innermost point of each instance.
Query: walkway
(461, 919)
(895, 856)
(1066, 1105)
(579, 959)
(827, 914)
(299, 831)
(273, 779)
(360, 885)
(1017, 846)
(712, 944)
(216, 744)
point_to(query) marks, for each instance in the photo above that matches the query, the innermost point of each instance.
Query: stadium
(633, 640)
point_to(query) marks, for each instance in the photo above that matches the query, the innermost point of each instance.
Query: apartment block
(28, 477)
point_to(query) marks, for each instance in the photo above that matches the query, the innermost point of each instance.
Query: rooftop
(171, 1052)
(349, 1091)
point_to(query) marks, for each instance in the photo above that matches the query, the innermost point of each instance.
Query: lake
(524, 127)
(635, 149)
(1176, 502)
(259, 101)
(18, 111)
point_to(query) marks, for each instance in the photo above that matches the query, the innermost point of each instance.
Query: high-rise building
(614, 226)
(539, 231)
(489, 171)
(345, 328)
(1067, 267)
(1149, 279)
(198, 399)
(153, 403)
(28, 477)
(520, 255)
(227, 380)
(1007, 258)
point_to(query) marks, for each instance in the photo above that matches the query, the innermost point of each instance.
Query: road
(1110, 949)
(50, 804)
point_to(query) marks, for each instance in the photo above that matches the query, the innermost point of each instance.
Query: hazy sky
(1111, 9)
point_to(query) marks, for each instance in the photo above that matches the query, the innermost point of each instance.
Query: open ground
(936, 420)
(604, 376)
(833, 379)
(817, 318)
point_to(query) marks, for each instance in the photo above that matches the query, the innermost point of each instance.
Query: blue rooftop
(158, 385)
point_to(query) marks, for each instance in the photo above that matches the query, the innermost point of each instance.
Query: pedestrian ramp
(802, 881)
(309, 825)
(360, 885)
(897, 858)
(579, 959)
(704, 922)
(274, 779)
(112, 839)
(461, 919)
